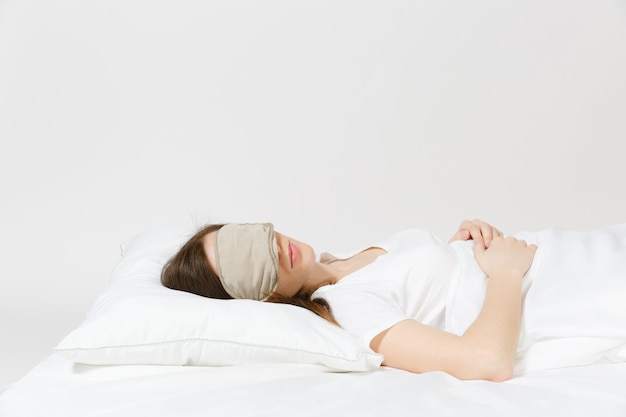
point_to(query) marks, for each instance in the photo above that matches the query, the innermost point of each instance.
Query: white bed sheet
(58, 387)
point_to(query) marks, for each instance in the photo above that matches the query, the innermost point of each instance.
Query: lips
(293, 253)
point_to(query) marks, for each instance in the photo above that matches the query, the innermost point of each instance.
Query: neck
(342, 267)
(325, 275)
(333, 272)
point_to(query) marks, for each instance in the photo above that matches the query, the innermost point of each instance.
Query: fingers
(479, 244)
(463, 233)
(527, 249)
(475, 229)
(487, 231)
(505, 256)
(478, 236)
(460, 235)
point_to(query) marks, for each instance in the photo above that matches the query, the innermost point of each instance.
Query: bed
(146, 350)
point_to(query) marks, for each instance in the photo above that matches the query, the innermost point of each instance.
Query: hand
(476, 230)
(504, 256)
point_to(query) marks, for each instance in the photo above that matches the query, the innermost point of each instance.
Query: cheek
(308, 255)
(287, 285)
(290, 280)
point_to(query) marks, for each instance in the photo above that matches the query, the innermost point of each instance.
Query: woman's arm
(487, 349)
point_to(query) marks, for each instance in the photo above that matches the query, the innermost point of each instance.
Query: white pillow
(138, 321)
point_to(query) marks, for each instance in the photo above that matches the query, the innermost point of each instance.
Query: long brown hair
(189, 270)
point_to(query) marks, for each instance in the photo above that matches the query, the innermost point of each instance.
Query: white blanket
(59, 388)
(574, 310)
(573, 315)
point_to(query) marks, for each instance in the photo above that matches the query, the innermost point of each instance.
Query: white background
(339, 121)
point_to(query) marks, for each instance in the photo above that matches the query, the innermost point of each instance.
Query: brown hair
(189, 270)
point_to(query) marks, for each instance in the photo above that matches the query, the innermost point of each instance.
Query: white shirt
(574, 311)
(410, 281)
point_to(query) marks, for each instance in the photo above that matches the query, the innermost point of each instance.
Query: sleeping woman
(482, 306)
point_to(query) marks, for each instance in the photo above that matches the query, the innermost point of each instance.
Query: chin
(308, 254)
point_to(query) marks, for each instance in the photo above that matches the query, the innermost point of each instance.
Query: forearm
(487, 349)
(495, 333)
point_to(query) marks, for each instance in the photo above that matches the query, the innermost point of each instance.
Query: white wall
(340, 121)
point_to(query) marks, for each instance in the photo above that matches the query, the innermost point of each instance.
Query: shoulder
(399, 241)
(411, 238)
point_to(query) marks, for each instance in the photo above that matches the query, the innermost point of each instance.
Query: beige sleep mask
(246, 256)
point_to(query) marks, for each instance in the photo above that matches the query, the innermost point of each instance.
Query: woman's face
(296, 262)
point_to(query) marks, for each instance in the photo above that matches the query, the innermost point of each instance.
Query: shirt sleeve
(369, 302)
(363, 314)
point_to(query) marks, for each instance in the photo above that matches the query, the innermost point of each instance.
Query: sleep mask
(246, 256)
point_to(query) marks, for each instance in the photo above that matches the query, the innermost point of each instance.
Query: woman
(422, 303)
